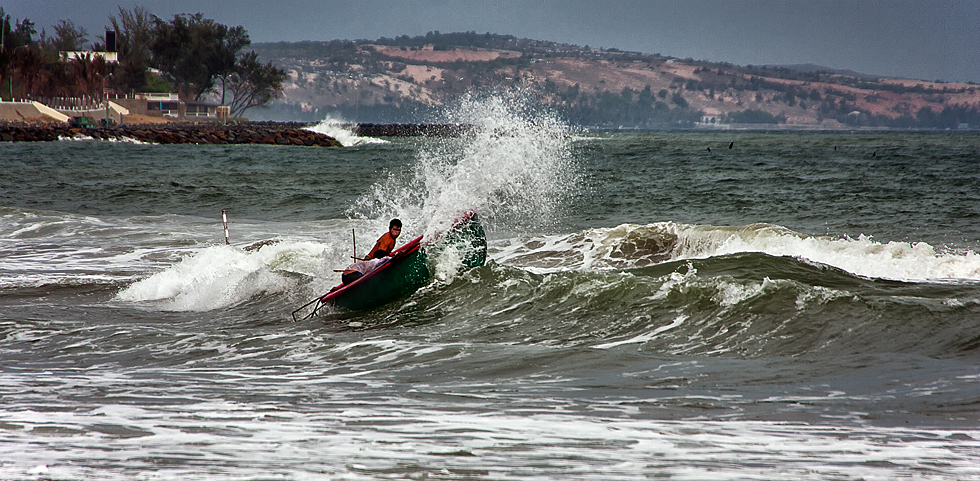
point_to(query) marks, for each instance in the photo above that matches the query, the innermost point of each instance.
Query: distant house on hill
(164, 105)
(200, 109)
(711, 117)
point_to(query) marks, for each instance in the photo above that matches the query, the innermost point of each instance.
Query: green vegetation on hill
(400, 79)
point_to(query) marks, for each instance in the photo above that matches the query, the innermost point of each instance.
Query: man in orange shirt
(386, 243)
(381, 249)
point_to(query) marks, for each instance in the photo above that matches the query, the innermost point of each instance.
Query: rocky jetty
(272, 133)
(411, 130)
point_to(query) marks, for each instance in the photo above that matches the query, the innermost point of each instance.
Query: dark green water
(798, 306)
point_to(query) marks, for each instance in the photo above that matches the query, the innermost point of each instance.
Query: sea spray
(343, 131)
(513, 168)
(209, 276)
(221, 276)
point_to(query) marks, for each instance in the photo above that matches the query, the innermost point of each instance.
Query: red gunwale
(410, 247)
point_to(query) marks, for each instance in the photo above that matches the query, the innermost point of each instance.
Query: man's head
(395, 228)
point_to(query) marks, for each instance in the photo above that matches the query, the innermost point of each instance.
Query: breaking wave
(631, 246)
(343, 131)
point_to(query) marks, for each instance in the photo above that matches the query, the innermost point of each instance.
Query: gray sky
(922, 39)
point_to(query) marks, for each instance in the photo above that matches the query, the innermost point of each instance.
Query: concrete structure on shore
(30, 112)
(139, 108)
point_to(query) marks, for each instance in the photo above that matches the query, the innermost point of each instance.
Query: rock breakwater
(411, 130)
(173, 133)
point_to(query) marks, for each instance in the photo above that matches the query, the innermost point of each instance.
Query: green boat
(407, 269)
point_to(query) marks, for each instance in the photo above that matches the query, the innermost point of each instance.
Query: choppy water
(798, 306)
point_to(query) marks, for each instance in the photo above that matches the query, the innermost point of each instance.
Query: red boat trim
(406, 249)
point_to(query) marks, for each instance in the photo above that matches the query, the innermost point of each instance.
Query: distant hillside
(813, 68)
(399, 79)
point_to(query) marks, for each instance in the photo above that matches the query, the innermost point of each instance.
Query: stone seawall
(173, 133)
(411, 130)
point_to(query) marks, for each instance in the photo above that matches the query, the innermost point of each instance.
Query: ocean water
(781, 306)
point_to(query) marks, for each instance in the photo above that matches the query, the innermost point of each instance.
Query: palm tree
(88, 73)
(29, 63)
(80, 68)
(57, 82)
(5, 64)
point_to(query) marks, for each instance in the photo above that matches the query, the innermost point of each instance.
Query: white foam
(249, 440)
(221, 276)
(730, 294)
(644, 337)
(625, 246)
(630, 246)
(45, 247)
(863, 256)
(447, 265)
(76, 138)
(342, 131)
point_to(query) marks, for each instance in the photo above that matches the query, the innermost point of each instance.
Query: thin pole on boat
(354, 240)
(224, 220)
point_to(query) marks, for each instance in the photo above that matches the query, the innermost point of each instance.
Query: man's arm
(385, 245)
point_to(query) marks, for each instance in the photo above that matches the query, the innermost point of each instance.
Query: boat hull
(408, 269)
(395, 279)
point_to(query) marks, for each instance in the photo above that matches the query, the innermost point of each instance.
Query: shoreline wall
(273, 133)
(172, 133)
(411, 130)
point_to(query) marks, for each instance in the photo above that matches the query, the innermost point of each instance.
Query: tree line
(193, 55)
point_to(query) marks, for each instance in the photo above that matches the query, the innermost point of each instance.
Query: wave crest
(631, 246)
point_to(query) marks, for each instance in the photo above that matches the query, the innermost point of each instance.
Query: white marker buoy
(224, 220)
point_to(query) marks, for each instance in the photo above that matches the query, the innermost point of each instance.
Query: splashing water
(342, 131)
(221, 276)
(513, 168)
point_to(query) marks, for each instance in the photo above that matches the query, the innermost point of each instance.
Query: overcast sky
(922, 39)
